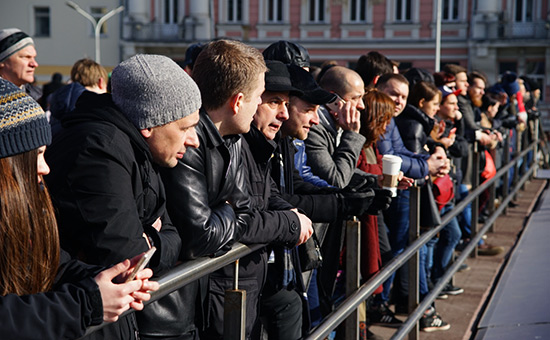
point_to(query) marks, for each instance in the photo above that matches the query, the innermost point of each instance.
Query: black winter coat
(415, 127)
(272, 223)
(107, 192)
(73, 304)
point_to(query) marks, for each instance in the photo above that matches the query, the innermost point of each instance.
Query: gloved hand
(361, 182)
(354, 203)
(380, 202)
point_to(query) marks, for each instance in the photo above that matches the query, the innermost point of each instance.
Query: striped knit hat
(23, 123)
(11, 41)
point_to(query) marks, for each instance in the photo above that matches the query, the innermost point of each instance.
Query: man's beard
(476, 102)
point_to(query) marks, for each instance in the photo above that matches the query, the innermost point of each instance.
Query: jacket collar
(212, 134)
(262, 148)
(415, 113)
(325, 119)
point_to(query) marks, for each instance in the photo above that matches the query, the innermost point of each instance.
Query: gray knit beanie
(11, 41)
(23, 123)
(152, 90)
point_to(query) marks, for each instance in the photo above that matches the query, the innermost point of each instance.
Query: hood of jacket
(93, 107)
(64, 99)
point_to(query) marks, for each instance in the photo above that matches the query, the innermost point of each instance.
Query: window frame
(39, 17)
(360, 7)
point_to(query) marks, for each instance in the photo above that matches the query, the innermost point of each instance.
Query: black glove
(381, 201)
(354, 203)
(362, 182)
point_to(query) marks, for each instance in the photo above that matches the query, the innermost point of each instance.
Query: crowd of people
(236, 145)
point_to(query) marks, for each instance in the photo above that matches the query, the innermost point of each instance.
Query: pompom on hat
(11, 41)
(23, 123)
(152, 90)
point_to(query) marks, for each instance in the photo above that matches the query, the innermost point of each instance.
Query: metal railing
(190, 271)
(410, 326)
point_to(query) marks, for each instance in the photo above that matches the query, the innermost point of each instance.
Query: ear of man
(146, 133)
(236, 102)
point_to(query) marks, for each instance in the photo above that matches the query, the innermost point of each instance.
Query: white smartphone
(333, 105)
(143, 261)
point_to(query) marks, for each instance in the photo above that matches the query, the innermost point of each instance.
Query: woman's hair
(489, 100)
(379, 108)
(423, 90)
(29, 247)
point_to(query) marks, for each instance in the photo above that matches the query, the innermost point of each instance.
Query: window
(450, 10)
(316, 10)
(41, 21)
(403, 10)
(171, 12)
(235, 11)
(524, 11)
(274, 11)
(97, 13)
(358, 10)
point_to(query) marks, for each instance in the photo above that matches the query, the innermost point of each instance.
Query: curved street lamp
(97, 24)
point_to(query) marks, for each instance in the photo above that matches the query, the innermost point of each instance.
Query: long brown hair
(29, 242)
(379, 108)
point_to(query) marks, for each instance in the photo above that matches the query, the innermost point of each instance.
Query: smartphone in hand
(143, 261)
(334, 105)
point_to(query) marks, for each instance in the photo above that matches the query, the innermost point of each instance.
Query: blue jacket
(300, 162)
(414, 165)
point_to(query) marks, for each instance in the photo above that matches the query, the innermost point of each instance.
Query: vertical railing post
(475, 203)
(506, 177)
(234, 310)
(536, 148)
(353, 265)
(491, 207)
(414, 233)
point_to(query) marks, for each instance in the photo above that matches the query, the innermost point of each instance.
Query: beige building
(61, 35)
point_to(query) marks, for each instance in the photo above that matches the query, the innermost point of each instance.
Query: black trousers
(281, 315)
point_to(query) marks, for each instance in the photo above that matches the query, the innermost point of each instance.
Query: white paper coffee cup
(391, 165)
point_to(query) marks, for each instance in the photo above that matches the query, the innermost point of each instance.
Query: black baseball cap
(277, 78)
(287, 52)
(304, 81)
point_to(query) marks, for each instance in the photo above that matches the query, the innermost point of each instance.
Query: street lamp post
(97, 24)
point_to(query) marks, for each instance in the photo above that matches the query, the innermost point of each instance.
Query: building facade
(61, 35)
(488, 35)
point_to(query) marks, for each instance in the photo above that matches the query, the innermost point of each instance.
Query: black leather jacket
(207, 201)
(206, 195)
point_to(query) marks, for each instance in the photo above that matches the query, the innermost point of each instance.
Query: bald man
(333, 146)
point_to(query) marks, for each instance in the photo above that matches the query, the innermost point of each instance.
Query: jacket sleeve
(319, 207)
(63, 313)
(414, 165)
(274, 225)
(336, 168)
(101, 185)
(204, 230)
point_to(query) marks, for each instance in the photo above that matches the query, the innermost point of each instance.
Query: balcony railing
(153, 32)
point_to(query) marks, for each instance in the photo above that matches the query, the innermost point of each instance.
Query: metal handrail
(192, 270)
(354, 300)
(188, 272)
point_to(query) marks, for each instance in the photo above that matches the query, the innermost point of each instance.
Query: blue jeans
(444, 248)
